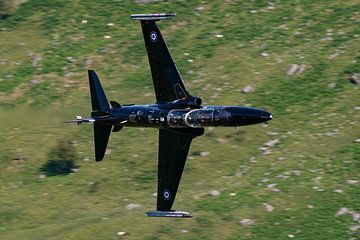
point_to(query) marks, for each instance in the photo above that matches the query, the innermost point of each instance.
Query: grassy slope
(316, 125)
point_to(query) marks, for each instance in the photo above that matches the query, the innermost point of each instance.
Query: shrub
(61, 159)
(6, 7)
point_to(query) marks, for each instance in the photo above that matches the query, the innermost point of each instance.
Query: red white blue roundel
(166, 194)
(153, 36)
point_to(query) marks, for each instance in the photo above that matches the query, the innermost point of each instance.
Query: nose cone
(266, 116)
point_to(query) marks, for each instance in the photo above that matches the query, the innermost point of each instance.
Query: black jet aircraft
(179, 116)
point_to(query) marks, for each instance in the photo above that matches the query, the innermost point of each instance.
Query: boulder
(132, 206)
(354, 78)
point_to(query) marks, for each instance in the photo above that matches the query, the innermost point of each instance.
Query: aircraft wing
(173, 151)
(167, 81)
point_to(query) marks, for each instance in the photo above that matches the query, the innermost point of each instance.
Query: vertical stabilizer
(99, 102)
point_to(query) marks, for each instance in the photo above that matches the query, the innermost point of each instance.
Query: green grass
(316, 125)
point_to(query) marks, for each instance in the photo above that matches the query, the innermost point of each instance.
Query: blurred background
(297, 177)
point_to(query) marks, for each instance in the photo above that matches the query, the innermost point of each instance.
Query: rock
(93, 186)
(355, 216)
(264, 54)
(271, 143)
(35, 59)
(332, 85)
(121, 233)
(355, 228)
(301, 69)
(246, 222)
(35, 81)
(272, 185)
(291, 236)
(108, 151)
(204, 154)
(214, 193)
(268, 207)
(271, 7)
(147, 1)
(88, 62)
(247, 89)
(200, 8)
(342, 211)
(42, 176)
(338, 191)
(132, 206)
(293, 69)
(354, 78)
(318, 189)
(352, 182)
(70, 59)
(266, 152)
(184, 231)
(357, 140)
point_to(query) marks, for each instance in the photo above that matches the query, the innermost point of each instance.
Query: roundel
(153, 36)
(166, 194)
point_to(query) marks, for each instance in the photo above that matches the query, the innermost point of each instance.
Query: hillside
(297, 177)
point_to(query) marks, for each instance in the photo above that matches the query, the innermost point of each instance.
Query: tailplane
(101, 139)
(101, 116)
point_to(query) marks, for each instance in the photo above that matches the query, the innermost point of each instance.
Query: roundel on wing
(153, 36)
(166, 194)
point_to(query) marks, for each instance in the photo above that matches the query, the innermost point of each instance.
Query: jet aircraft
(179, 116)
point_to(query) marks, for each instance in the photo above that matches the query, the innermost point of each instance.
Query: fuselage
(164, 116)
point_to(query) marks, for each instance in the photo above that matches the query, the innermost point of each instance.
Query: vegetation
(307, 175)
(61, 159)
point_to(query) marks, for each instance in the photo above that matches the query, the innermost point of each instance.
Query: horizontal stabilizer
(152, 16)
(80, 120)
(175, 214)
(101, 138)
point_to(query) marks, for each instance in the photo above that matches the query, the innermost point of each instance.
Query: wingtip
(170, 214)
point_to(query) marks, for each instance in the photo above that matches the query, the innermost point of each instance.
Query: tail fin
(100, 107)
(99, 102)
(167, 81)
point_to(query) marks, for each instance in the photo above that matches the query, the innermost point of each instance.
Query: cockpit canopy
(176, 118)
(200, 118)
